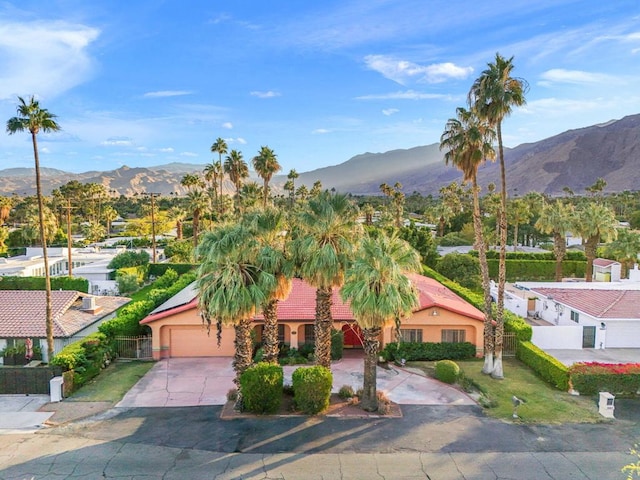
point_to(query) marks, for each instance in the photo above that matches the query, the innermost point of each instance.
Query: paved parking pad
(187, 382)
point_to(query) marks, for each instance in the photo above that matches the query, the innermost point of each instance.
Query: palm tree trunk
(502, 265)
(265, 194)
(43, 240)
(515, 237)
(371, 344)
(270, 332)
(196, 227)
(243, 348)
(179, 229)
(322, 326)
(481, 247)
(590, 249)
(559, 250)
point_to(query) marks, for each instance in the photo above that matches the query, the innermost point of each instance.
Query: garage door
(194, 342)
(622, 334)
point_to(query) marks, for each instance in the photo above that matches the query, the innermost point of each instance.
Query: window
(453, 336)
(309, 335)
(575, 316)
(281, 333)
(411, 335)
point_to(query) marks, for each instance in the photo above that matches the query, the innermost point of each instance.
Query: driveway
(609, 355)
(188, 382)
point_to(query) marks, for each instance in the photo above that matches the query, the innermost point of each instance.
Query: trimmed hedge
(337, 344)
(85, 357)
(429, 351)
(38, 283)
(447, 371)
(261, 386)
(521, 270)
(544, 365)
(591, 378)
(570, 255)
(312, 388)
(159, 269)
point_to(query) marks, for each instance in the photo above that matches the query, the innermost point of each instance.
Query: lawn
(112, 383)
(542, 403)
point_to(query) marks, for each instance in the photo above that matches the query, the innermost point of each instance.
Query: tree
(212, 173)
(379, 293)
(31, 231)
(266, 165)
(192, 181)
(197, 204)
(556, 219)
(110, 214)
(492, 96)
(34, 119)
(468, 143)
(625, 249)
(323, 247)
(220, 147)
(5, 209)
(518, 213)
(594, 222)
(238, 171)
(463, 269)
(292, 176)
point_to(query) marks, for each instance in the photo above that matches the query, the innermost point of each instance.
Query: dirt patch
(337, 408)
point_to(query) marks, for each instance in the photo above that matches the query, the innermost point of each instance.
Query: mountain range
(573, 159)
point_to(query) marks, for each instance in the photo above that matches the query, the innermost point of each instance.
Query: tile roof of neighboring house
(23, 312)
(604, 262)
(301, 303)
(597, 303)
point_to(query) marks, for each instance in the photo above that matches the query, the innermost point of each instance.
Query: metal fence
(133, 347)
(27, 380)
(509, 345)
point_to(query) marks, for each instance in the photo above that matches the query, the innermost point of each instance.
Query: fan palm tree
(468, 143)
(238, 171)
(266, 165)
(31, 231)
(5, 208)
(323, 248)
(492, 96)
(212, 172)
(594, 222)
(178, 214)
(220, 147)
(198, 202)
(625, 249)
(519, 212)
(291, 177)
(380, 294)
(110, 214)
(556, 219)
(34, 119)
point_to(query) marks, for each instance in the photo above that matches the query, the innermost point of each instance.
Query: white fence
(557, 336)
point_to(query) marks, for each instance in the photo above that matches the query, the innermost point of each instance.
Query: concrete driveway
(187, 382)
(608, 355)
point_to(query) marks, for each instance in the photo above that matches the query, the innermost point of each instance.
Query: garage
(622, 334)
(193, 341)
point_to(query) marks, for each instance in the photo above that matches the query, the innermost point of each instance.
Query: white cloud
(166, 150)
(402, 71)
(560, 106)
(227, 125)
(268, 94)
(560, 75)
(406, 95)
(167, 93)
(44, 150)
(389, 111)
(320, 131)
(117, 142)
(239, 140)
(188, 154)
(44, 58)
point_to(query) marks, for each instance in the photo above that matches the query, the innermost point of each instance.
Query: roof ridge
(615, 302)
(64, 309)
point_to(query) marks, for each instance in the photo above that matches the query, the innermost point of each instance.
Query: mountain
(574, 159)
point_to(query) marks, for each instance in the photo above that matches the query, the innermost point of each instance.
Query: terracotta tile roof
(604, 262)
(23, 312)
(597, 303)
(301, 303)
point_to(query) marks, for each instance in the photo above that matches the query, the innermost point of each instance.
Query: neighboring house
(442, 316)
(605, 270)
(75, 315)
(575, 315)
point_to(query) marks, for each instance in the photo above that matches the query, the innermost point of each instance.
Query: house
(75, 315)
(575, 315)
(605, 270)
(442, 316)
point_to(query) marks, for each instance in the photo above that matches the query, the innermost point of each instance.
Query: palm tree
(197, 205)
(493, 95)
(292, 176)
(250, 195)
(110, 214)
(212, 173)
(266, 165)
(468, 143)
(5, 208)
(625, 249)
(191, 181)
(220, 147)
(380, 294)
(323, 248)
(519, 212)
(231, 287)
(594, 222)
(238, 171)
(31, 231)
(178, 214)
(556, 219)
(35, 119)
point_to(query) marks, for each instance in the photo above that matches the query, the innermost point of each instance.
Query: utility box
(55, 389)
(605, 404)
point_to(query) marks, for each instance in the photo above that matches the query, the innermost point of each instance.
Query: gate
(509, 345)
(133, 347)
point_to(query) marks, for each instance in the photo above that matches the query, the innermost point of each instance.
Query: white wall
(557, 336)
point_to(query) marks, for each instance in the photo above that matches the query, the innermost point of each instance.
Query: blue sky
(149, 82)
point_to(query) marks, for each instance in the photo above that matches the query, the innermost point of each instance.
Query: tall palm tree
(5, 208)
(380, 294)
(238, 171)
(323, 248)
(31, 231)
(292, 176)
(594, 222)
(198, 205)
(556, 219)
(212, 173)
(110, 214)
(625, 249)
(34, 119)
(468, 143)
(493, 95)
(519, 212)
(266, 165)
(220, 147)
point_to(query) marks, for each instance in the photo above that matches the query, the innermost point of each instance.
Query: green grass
(141, 294)
(112, 383)
(543, 404)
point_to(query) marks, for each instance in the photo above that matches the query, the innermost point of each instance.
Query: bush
(412, 351)
(546, 367)
(159, 269)
(167, 279)
(127, 283)
(312, 388)
(591, 378)
(85, 357)
(129, 259)
(447, 371)
(261, 388)
(37, 283)
(537, 269)
(337, 344)
(461, 268)
(346, 392)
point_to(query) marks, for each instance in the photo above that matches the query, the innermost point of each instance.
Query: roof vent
(88, 303)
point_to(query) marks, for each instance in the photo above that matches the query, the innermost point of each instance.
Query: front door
(352, 336)
(588, 337)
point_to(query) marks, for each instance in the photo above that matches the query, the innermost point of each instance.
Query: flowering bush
(589, 378)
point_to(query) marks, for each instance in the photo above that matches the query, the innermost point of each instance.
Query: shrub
(85, 357)
(591, 378)
(447, 371)
(312, 388)
(261, 387)
(337, 344)
(129, 259)
(232, 395)
(412, 351)
(159, 269)
(461, 268)
(127, 283)
(37, 283)
(384, 404)
(346, 392)
(546, 367)
(167, 279)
